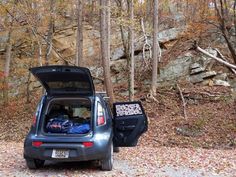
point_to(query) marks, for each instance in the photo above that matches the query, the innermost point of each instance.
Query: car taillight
(100, 115)
(101, 120)
(88, 144)
(37, 143)
(34, 120)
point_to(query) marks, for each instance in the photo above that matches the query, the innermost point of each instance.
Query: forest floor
(201, 144)
(143, 160)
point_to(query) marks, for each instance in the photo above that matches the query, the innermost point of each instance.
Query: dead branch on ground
(223, 58)
(214, 57)
(150, 96)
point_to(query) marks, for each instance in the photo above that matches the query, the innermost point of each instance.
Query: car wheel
(107, 164)
(34, 163)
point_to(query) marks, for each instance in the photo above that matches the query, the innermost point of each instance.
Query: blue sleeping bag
(58, 125)
(62, 125)
(79, 128)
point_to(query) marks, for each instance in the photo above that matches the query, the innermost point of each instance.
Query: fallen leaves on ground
(138, 161)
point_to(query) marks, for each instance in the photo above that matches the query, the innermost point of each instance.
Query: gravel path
(138, 161)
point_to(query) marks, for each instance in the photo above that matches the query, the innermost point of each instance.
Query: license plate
(60, 153)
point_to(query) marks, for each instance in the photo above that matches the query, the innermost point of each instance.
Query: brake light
(101, 120)
(100, 115)
(88, 144)
(34, 120)
(37, 143)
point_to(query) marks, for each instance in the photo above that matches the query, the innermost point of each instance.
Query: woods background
(177, 57)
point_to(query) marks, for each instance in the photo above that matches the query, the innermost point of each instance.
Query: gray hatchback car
(73, 123)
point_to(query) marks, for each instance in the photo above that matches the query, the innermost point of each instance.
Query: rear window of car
(69, 85)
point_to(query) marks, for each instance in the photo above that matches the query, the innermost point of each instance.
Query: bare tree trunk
(104, 50)
(40, 62)
(221, 17)
(128, 44)
(183, 101)
(50, 32)
(226, 10)
(40, 54)
(148, 12)
(92, 13)
(28, 88)
(122, 29)
(234, 9)
(131, 51)
(79, 41)
(93, 6)
(230, 45)
(7, 66)
(108, 30)
(155, 47)
(8, 54)
(148, 9)
(29, 74)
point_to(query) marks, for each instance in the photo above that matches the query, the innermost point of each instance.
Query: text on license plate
(60, 153)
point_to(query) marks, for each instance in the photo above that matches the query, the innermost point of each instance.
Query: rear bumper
(77, 151)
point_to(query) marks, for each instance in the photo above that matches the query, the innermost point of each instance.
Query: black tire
(34, 163)
(107, 164)
(116, 149)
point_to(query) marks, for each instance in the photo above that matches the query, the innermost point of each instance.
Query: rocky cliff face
(194, 69)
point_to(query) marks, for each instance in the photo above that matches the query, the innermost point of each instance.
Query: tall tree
(79, 41)
(122, 6)
(104, 48)
(7, 65)
(8, 52)
(50, 32)
(155, 48)
(131, 50)
(127, 40)
(221, 9)
(148, 11)
(108, 28)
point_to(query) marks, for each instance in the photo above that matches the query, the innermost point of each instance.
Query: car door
(130, 122)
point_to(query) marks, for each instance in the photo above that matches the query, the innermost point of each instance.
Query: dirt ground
(142, 160)
(205, 146)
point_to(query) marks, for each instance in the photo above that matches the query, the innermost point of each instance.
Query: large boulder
(174, 70)
(118, 53)
(195, 69)
(169, 34)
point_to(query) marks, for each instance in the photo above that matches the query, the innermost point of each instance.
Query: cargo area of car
(68, 116)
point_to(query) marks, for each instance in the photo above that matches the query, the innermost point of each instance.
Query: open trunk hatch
(65, 80)
(68, 116)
